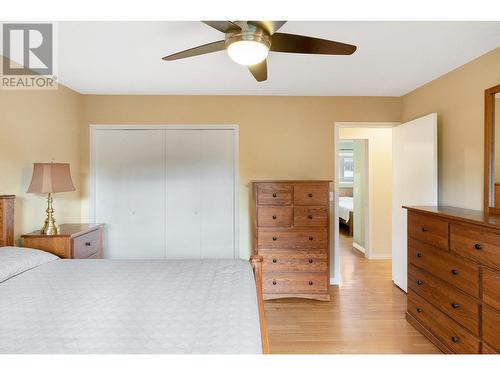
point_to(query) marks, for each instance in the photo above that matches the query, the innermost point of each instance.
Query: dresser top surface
(460, 214)
(290, 181)
(67, 230)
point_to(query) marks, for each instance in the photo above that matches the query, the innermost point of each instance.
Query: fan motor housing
(254, 36)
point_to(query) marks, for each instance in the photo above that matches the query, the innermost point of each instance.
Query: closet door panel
(183, 194)
(217, 194)
(129, 173)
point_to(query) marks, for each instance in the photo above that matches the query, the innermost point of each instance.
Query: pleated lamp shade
(51, 178)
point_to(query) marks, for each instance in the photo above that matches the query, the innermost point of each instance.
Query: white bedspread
(131, 306)
(346, 205)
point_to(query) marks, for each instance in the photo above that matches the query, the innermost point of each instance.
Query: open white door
(414, 182)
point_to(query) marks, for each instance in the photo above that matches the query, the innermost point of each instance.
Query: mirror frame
(489, 150)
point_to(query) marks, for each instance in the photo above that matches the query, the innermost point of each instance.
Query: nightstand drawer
(87, 245)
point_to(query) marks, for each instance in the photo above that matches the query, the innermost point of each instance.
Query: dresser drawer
(293, 239)
(274, 216)
(477, 243)
(276, 282)
(457, 271)
(294, 260)
(451, 334)
(460, 306)
(491, 327)
(491, 288)
(428, 229)
(310, 216)
(87, 245)
(274, 194)
(486, 349)
(311, 194)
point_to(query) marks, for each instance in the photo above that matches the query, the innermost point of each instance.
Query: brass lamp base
(49, 228)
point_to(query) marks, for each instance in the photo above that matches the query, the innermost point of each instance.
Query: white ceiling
(392, 59)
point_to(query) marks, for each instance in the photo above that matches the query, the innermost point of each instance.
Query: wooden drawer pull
(454, 272)
(311, 283)
(275, 195)
(310, 195)
(274, 282)
(478, 246)
(310, 260)
(274, 217)
(311, 238)
(419, 310)
(455, 305)
(275, 238)
(419, 255)
(419, 282)
(275, 261)
(455, 339)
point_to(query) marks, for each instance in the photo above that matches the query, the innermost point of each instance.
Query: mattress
(131, 306)
(346, 205)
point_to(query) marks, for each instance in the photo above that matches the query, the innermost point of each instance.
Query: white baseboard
(335, 281)
(358, 247)
(382, 256)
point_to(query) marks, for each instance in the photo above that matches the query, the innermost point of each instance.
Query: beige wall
(458, 99)
(280, 137)
(380, 187)
(39, 126)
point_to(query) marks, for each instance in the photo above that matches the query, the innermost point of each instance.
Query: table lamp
(50, 178)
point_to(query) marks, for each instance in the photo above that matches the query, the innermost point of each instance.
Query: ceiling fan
(249, 42)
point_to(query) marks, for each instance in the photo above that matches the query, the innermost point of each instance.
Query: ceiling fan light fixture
(247, 49)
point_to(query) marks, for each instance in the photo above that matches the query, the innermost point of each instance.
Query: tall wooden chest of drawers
(292, 233)
(454, 278)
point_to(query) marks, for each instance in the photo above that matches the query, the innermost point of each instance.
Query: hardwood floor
(366, 314)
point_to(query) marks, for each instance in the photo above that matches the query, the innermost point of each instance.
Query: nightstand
(74, 241)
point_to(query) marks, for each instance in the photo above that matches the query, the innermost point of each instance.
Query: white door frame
(336, 280)
(236, 163)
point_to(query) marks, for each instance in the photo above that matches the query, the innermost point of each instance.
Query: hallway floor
(366, 314)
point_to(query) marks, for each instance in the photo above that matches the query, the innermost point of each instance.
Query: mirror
(492, 150)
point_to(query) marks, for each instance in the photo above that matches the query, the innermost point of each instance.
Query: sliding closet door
(183, 150)
(200, 194)
(129, 192)
(165, 193)
(217, 194)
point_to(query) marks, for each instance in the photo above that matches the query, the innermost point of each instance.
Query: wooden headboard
(345, 191)
(7, 220)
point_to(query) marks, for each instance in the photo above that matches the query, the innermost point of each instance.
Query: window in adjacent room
(346, 167)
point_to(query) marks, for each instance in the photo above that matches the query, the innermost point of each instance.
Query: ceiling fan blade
(195, 51)
(269, 26)
(222, 26)
(305, 44)
(259, 71)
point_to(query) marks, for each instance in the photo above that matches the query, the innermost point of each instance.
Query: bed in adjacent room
(52, 305)
(346, 208)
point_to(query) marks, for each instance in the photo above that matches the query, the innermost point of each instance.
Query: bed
(346, 208)
(99, 306)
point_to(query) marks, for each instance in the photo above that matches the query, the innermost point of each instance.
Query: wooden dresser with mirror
(454, 260)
